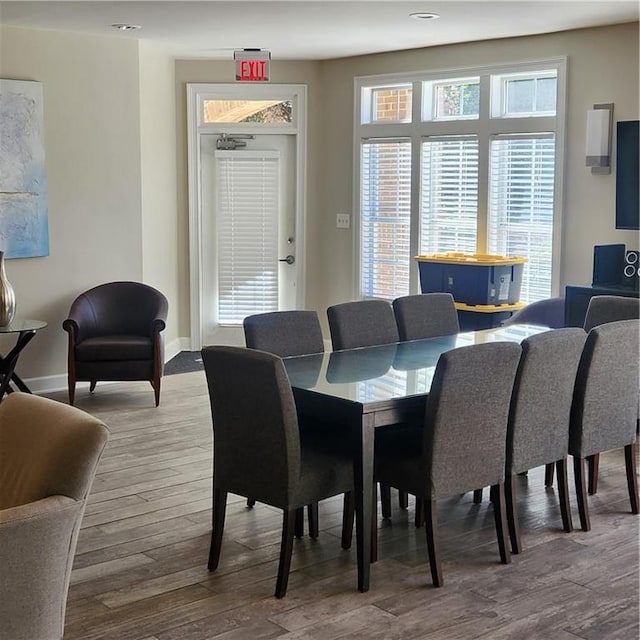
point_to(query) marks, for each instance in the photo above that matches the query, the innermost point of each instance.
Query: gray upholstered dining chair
(547, 313)
(426, 315)
(463, 443)
(601, 310)
(287, 333)
(538, 431)
(49, 452)
(362, 323)
(258, 449)
(604, 413)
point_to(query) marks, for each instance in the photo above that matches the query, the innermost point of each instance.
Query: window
(387, 104)
(262, 111)
(449, 201)
(248, 201)
(385, 201)
(484, 177)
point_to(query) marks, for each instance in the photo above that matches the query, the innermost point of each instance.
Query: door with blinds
(249, 251)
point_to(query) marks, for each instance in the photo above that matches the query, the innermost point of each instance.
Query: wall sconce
(599, 135)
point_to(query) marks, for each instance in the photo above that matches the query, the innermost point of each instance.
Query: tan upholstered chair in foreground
(48, 457)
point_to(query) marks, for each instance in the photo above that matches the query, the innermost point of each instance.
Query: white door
(249, 238)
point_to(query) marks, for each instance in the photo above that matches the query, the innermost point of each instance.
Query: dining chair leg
(581, 493)
(593, 463)
(289, 518)
(385, 499)
(510, 495)
(374, 524)
(563, 495)
(548, 474)
(632, 477)
(403, 500)
(251, 502)
(477, 496)
(348, 516)
(298, 530)
(431, 529)
(419, 517)
(500, 516)
(312, 515)
(218, 512)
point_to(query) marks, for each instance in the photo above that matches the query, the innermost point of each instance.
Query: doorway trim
(197, 93)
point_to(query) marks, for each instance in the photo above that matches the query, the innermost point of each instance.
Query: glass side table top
(18, 325)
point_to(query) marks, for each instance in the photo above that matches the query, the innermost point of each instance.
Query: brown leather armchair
(115, 333)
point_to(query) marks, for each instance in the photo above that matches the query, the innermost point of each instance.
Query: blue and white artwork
(24, 219)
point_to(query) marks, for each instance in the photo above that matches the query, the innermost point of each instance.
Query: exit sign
(252, 65)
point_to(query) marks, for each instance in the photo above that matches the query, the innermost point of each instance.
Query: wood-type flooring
(140, 569)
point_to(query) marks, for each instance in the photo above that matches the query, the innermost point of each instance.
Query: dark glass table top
(385, 372)
(23, 324)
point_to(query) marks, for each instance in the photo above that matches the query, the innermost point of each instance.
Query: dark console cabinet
(577, 300)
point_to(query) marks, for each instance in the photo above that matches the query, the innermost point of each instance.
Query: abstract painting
(24, 219)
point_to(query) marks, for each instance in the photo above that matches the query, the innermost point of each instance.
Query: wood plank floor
(140, 569)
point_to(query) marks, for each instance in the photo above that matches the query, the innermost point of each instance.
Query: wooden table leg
(363, 478)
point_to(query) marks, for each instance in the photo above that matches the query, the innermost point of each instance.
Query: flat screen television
(627, 176)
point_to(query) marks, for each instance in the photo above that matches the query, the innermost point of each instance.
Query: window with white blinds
(521, 196)
(248, 194)
(449, 195)
(385, 205)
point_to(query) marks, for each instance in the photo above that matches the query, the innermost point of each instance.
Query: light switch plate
(343, 220)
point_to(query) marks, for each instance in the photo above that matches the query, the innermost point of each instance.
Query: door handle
(289, 259)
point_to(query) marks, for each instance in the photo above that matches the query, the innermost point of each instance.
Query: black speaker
(631, 270)
(608, 264)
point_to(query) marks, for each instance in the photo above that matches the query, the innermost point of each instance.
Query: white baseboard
(58, 382)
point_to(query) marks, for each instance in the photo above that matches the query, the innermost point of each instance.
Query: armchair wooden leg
(251, 502)
(510, 494)
(563, 495)
(219, 509)
(581, 493)
(348, 515)
(92, 386)
(548, 474)
(632, 477)
(477, 496)
(431, 528)
(500, 515)
(593, 463)
(71, 383)
(156, 390)
(289, 518)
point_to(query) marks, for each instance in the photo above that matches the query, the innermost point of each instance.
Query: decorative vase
(7, 296)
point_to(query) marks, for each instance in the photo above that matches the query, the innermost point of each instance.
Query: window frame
(485, 126)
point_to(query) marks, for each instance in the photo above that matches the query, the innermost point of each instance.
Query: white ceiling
(314, 30)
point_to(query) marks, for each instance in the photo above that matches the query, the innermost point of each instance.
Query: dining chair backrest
(284, 333)
(547, 313)
(426, 315)
(603, 309)
(466, 417)
(604, 413)
(362, 323)
(256, 443)
(538, 430)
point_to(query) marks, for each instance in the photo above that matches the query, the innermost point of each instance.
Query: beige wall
(602, 67)
(158, 170)
(92, 147)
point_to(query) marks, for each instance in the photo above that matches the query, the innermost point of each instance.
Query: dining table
(362, 389)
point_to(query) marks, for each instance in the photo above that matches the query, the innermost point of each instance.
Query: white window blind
(521, 192)
(385, 201)
(248, 190)
(449, 200)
